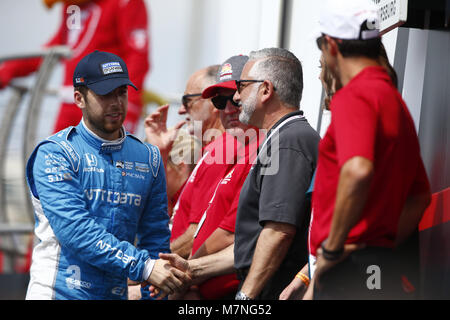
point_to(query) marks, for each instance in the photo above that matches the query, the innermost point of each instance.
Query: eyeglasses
(220, 102)
(240, 88)
(239, 84)
(186, 100)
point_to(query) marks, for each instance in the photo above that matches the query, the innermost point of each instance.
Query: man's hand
(134, 292)
(179, 266)
(323, 265)
(167, 278)
(294, 291)
(297, 288)
(156, 130)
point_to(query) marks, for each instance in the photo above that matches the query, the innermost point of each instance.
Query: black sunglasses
(220, 102)
(186, 99)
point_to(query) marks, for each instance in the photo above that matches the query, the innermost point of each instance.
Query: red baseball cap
(229, 72)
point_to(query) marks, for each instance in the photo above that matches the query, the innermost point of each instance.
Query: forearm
(218, 240)
(271, 248)
(183, 244)
(212, 265)
(351, 196)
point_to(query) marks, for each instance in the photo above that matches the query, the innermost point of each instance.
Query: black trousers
(371, 273)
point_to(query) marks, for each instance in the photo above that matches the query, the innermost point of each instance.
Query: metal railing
(50, 58)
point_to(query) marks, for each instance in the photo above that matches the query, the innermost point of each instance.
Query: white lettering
(118, 254)
(113, 196)
(374, 281)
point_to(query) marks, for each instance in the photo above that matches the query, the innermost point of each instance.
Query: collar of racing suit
(104, 146)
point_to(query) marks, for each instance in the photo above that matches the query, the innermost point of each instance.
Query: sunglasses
(187, 99)
(220, 102)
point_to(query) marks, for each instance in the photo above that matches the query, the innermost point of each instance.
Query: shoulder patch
(154, 158)
(61, 139)
(154, 155)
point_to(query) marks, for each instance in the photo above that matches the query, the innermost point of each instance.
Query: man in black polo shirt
(274, 209)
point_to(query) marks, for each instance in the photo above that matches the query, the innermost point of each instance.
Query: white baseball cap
(350, 19)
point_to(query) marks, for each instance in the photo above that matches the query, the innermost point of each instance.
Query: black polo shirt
(275, 190)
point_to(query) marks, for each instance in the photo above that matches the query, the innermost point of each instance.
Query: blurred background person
(119, 27)
(203, 121)
(180, 164)
(215, 231)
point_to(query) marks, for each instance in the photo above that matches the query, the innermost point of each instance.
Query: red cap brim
(212, 90)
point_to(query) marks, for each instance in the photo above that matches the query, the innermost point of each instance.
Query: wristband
(331, 255)
(303, 277)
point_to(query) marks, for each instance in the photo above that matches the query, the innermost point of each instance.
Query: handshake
(170, 275)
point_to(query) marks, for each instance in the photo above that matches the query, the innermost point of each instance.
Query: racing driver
(97, 190)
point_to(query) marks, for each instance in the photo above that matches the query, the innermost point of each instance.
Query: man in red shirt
(216, 222)
(200, 185)
(219, 157)
(215, 231)
(371, 187)
(119, 27)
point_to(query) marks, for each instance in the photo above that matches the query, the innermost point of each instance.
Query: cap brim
(106, 86)
(212, 90)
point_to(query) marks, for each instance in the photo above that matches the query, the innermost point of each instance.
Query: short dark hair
(370, 48)
(83, 90)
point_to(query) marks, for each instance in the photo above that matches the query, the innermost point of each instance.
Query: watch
(242, 296)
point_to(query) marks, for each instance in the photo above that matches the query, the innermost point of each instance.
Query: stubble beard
(99, 125)
(248, 107)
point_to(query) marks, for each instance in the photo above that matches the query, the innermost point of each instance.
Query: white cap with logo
(350, 19)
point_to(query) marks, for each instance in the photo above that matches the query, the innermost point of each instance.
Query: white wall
(302, 42)
(189, 35)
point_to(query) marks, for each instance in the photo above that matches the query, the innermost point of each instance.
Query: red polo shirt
(221, 213)
(369, 119)
(200, 186)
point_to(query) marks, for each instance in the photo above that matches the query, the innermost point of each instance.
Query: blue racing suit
(93, 201)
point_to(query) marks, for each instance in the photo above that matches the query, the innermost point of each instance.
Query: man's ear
(79, 99)
(331, 46)
(268, 90)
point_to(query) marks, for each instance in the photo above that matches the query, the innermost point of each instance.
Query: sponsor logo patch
(79, 80)
(226, 72)
(111, 67)
(142, 167)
